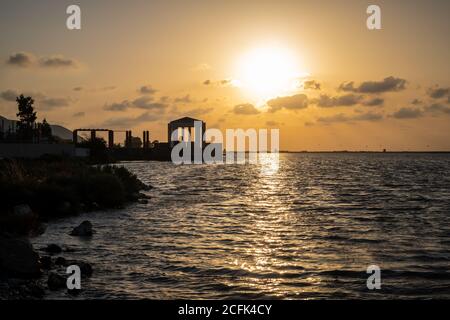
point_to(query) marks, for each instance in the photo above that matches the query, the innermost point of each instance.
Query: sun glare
(268, 72)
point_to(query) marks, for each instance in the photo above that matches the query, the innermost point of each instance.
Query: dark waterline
(307, 229)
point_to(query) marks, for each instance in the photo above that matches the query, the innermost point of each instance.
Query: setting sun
(267, 72)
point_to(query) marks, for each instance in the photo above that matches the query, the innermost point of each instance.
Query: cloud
(42, 102)
(78, 114)
(347, 100)
(147, 90)
(436, 108)
(369, 116)
(407, 113)
(164, 99)
(144, 102)
(21, 59)
(52, 103)
(245, 109)
(271, 123)
(334, 118)
(117, 106)
(389, 84)
(147, 103)
(375, 102)
(26, 60)
(126, 122)
(219, 83)
(197, 112)
(311, 84)
(416, 102)
(295, 102)
(9, 95)
(438, 92)
(102, 89)
(57, 62)
(185, 99)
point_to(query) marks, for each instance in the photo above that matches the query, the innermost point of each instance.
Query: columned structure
(185, 124)
(94, 135)
(146, 139)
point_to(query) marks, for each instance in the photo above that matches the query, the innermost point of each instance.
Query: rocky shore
(36, 192)
(27, 273)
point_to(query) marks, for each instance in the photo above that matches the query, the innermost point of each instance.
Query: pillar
(111, 139)
(75, 137)
(128, 139)
(169, 134)
(203, 131)
(92, 135)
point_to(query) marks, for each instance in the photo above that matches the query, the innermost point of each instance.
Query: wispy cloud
(375, 102)
(407, 113)
(42, 101)
(58, 62)
(295, 102)
(126, 122)
(389, 84)
(147, 89)
(438, 92)
(325, 101)
(143, 102)
(311, 84)
(245, 109)
(28, 60)
(341, 117)
(21, 59)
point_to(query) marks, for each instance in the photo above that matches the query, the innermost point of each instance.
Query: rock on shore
(83, 230)
(18, 258)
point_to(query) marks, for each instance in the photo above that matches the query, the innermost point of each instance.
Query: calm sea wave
(307, 229)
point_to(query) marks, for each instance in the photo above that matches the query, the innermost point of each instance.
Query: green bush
(106, 190)
(57, 187)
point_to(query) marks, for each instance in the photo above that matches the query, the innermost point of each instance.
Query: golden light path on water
(305, 227)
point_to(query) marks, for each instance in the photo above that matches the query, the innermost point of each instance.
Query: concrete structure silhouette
(183, 123)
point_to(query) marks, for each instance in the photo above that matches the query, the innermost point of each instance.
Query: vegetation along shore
(37, 191)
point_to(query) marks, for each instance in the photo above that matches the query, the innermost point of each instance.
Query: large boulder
(56, 281)
(83, 230)
(53, 249)
(21, 220)
(18, 258)
(23, 211)
(60, 261)
(46, 262)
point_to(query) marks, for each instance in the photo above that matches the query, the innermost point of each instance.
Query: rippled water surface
(307, 229)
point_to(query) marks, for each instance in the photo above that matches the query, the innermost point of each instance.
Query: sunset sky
(310, 68)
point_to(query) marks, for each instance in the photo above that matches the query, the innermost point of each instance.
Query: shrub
(106, 190)
(57, 187)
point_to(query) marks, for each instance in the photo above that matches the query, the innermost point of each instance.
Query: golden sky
(310, 68)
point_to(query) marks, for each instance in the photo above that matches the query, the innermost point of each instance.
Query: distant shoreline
(345, 151)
